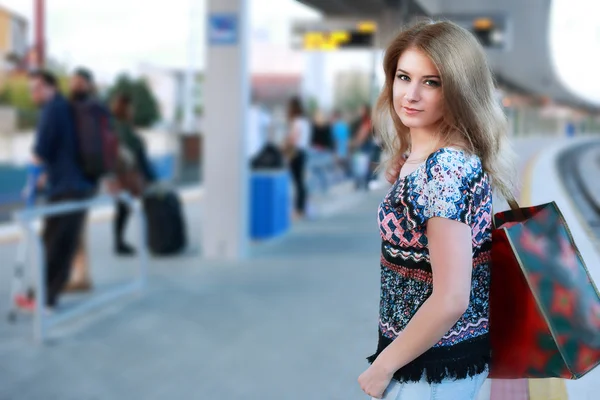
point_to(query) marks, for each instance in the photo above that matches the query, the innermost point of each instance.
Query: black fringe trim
(465, 359)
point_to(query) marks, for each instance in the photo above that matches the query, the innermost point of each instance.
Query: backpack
(97, 141)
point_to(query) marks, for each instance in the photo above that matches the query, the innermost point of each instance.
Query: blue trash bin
(269, 203)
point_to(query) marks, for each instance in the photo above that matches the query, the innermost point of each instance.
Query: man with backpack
(56, 149)
(98, 148)
(98, 141)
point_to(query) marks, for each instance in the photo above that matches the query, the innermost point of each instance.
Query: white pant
(462, 389)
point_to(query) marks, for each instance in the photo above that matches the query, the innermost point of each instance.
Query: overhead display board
(491, 29)
(334, 35)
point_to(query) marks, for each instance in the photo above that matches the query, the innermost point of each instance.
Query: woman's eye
(403, 77)
(432, 83)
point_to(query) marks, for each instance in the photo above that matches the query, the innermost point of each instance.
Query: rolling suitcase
(166, 232)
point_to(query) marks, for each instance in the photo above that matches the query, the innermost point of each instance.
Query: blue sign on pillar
(570, 129)
(223, 29)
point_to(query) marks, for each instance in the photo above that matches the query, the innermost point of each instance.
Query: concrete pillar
(225, 206)
(389, 25)
(314, 80)
(189, 104)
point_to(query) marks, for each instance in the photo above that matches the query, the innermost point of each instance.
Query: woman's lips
(411, 111)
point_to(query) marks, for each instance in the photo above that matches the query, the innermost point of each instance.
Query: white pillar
(313, 81)
(189, 105)
(225, 207)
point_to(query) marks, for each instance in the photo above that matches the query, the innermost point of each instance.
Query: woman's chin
(411, 123)
(415, 123)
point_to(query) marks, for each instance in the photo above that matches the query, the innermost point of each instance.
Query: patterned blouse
(450, 184)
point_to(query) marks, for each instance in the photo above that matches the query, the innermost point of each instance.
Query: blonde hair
(473, 116)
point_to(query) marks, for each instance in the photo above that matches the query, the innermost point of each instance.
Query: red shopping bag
(544, 305)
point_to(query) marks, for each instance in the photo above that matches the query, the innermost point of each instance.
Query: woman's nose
(412, 93)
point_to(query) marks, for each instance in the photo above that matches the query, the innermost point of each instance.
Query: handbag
(544, 305)
(128, 176)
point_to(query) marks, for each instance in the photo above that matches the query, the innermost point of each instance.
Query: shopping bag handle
(514, 205)
(512, 202)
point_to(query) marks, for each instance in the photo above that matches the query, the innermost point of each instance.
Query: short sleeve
(297, 130)
(296, 125)
(447, 192)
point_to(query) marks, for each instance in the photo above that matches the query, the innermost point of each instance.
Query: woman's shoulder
(453, 160)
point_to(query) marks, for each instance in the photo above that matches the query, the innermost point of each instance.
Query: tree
(145, 106)
(312, 105)
(147, 112)
(353, 92)
(15, 93)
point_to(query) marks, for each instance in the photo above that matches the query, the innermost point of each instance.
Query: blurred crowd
(83, 147)
(319, 148)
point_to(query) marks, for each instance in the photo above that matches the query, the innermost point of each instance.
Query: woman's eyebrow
(426, 76)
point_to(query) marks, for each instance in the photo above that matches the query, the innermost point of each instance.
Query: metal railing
(26, 220)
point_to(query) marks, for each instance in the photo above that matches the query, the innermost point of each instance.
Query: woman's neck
(422, 142)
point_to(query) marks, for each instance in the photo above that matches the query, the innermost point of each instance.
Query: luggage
(270, 157)
(544, 305)
(165, 226)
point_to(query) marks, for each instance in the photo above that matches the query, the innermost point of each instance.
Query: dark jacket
(322, 137)
(56, 144)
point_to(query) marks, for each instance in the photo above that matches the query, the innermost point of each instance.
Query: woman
(320, 159)
(321, 136)
(447, 145)
(296, 145)
(134, 170)
(363, 144)
(341, 137)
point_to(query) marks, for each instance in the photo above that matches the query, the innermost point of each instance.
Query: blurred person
(296, 146)
(263, 152)
(321, 136)
(56, 148)
(259, 122)
(134, 169)
(82, 86)
(321, 154)
(448, 144)
(341, 137)
(362, 146)
(375, 160)
(82, 90)
(356, 121)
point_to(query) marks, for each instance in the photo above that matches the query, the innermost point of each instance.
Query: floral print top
(450, 184)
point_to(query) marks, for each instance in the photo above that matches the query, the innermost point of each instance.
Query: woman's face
(418, 96)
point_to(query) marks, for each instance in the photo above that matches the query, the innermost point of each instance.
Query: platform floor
(295, 321)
